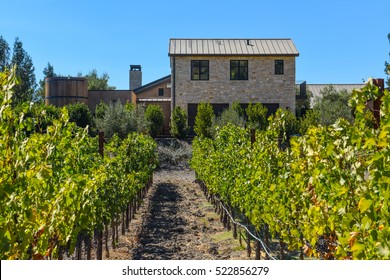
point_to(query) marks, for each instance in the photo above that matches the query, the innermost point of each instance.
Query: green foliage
(55, 185)
(230, 115)
(80, 114)
(25, 89)
(387, 66)
(308, 120)
(138, 118)
(116, 120)
(4, 54)
(331, 184)
(257, 116)
(98, 83)
(122, 120)
(155, 117)
(179, 123)
(204, 120)
(284, 123)
(332, 106)
(237, 107)
(48, 72)
(101, 109)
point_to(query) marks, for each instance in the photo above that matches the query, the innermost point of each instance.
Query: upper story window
(238, 69)
(160, 92)
(279, 67)
(199, 69)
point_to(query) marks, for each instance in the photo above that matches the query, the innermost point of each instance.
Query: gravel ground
(176, 222)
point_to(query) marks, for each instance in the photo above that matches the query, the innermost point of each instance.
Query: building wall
(152, 92)
(107, 96)
(262, 84)
(149, 96)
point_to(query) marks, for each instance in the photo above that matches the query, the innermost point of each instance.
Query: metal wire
(266, 249)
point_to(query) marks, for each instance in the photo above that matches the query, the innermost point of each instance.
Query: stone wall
(262, 84)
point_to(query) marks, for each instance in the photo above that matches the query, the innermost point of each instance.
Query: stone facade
(263, 85)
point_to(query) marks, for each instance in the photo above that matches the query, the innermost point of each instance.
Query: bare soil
(176, 222)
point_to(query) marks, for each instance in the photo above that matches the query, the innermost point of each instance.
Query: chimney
(135, 76)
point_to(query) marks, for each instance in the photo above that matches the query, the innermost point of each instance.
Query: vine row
(325, 193)
(56, 190)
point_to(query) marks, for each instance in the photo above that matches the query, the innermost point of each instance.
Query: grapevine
(55, 188)
(325, 193)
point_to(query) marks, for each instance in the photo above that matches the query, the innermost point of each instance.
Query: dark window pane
(195, 63)
(279, 67)
(199, 69)
(239, 69)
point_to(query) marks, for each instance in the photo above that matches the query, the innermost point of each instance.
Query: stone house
(223, 71)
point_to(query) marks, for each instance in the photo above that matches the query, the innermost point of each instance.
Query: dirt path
(177, 222)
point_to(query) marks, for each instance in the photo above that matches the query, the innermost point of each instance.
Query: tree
(80, 114)
(179, 124)
(204, 120)
(155, 116)
(25, 89)
(257, 116)
(4, 54)
(116, 120)
(48, 72)
(98, 83)
(122, 120)
(233, 115)
(387, 66)
(333, 105)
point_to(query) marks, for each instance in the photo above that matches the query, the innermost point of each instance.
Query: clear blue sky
(339, 41)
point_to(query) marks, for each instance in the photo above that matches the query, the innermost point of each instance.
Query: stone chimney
(135, 76)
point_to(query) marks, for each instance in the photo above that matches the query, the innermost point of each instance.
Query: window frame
(242, 70)
(202, 76)
(279, 68)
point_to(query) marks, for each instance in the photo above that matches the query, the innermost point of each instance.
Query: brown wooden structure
(61, 91)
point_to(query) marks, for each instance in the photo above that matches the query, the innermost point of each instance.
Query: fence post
(253, 136)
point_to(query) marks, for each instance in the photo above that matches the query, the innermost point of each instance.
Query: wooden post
(253, 136)
(248, 240)
(99, 249)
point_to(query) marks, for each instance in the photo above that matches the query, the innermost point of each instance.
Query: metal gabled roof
(251, 47)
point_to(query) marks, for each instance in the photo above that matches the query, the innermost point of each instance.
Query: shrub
(308, 120)
(257, 116)
(154, 115)
(285, 123)
(173, 153)
(80, 114)
(229, 116)
(119, 120)
(179, 125)
(332, 106)
(137, 117)
(100, 109)
(204, 120)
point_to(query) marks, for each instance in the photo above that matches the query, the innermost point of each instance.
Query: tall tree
(4, 54)
(98, 83)
(25, 90)
(387, 66)
(48, 72)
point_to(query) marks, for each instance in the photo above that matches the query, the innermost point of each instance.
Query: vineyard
(57, 191)
(325, 193)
